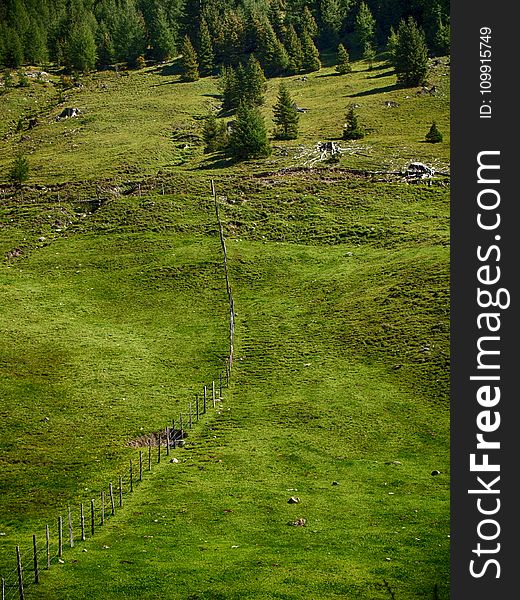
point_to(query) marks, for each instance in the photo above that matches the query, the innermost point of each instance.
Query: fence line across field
(81, 523)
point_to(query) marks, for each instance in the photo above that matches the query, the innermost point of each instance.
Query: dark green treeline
(284, 35)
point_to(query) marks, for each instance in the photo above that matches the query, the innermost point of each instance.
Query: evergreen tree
(271, 52)
(252, 83)
(434, 135)
(311, 56)
(411, 54)
(214, 134)
(331, 18)
(19, 172)
(14, 55)
(105, 46)
(442, 37)
(36, 45)
(229, 87)
(162, 37)
(82, 49)
(189, 64)
(294, 50)
(286, 116)
(248, 137)
(129, 35)
(205, 50)
(343, 61)
(351, 128)
(369, 54)
(308, 24)
(364, 28)
(277, 18)
(391, 45)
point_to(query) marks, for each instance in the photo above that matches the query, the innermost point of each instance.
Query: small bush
(434, 135)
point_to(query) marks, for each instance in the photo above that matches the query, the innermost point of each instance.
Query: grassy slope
(331, 382)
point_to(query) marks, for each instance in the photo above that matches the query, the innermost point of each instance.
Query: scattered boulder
(436, 472)
(391, 104)
(418, 170)
(298, 523)
(293, 500)
(335, 483)
(68, 113)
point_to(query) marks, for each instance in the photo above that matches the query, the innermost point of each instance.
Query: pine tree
(391, 45)
(442, 37)
(351, 128)
(308, 23)
(205, 50)
(253, 83)
(286, 116)
(311, 56)
(189, 64)
(343, 61)
(82, 49)
(19, 172)
(434, 135)
(271, 52)
(294, 50)
(248, 137)
(369, 54)
(229, 87)
(14, 55)
(411, 54)
(364, 28)
(214, 134)
(36, 44)
(105, 46)
(163, 40)
(331, 19)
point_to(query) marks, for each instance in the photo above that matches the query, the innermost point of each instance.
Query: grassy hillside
(115, 315)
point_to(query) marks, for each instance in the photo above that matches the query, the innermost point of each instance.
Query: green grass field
(115, 316)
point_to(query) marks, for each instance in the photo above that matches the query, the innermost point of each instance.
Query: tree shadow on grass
(385, 73)
(381, 90)
(329, 75)
(216, 161)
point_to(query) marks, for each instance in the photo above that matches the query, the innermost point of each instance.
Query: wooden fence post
(3, 588)
(205, 397)
(220, 391)
(149, 454)
(82, 517)
(102, 508)
(48, 546)
(120, 491)
(112, 503)
(60, 537)
(159, 448)
(140, 465)
(20, 573)
(173, 434)
(92, 516)
(35, 559)
(71, 535)
(167, 435)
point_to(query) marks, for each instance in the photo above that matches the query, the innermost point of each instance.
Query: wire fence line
(78, 524)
